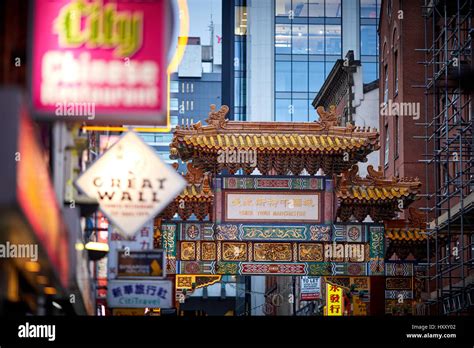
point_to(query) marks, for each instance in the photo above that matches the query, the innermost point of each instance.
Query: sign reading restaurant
(100, 56)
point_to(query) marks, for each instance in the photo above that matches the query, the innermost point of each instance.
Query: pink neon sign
(100, 61)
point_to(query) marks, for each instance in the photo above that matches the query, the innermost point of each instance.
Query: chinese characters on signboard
(141, 241)
(267, 206)
(334, 300)
(139, 294)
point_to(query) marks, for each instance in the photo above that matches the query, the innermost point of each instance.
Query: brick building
(401, 103)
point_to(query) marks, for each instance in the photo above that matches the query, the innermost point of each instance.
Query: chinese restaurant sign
(100, 57)
(334, 300)
(139, 294)
(131, 183)
(271, 206)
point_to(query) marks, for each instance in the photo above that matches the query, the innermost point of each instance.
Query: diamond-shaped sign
(131, 183)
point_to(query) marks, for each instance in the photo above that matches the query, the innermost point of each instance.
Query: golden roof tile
(310, 139)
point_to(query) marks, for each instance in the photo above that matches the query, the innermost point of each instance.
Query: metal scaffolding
(449, 147)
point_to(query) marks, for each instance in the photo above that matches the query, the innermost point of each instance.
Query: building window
(300, 8)
(368, 40)
(385, 86)
(316, 39)
(174, 104)
(187, 87)
(333, 39)
(283, 76)
(283, 7)
(182, 87)
(369, 72)
(387, 146)
(283, 110)
(174, 87)
(316, 73)
(368, 9)
(174, 121)
(192, 87)
(395, 71)
(333, 8)
(192, 105)
(283, 38)
(316, 8)
(300, 77)
(300, 39)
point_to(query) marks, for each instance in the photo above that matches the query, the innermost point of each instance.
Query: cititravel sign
(100, 55)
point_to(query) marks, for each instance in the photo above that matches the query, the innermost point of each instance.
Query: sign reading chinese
(334, 300)
(100, 57)
(310, 288)
(271, 207)
(131, 183)
(139, 294)
(140, 264)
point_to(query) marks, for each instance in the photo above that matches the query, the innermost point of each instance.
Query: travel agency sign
(100, 61)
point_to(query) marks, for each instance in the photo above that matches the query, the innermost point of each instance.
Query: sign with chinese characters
(334, 300)
(139, 294)
(310, 288)
(131, 183)
(100, 61)
(140, 241)
(272, 207)
(141, 264)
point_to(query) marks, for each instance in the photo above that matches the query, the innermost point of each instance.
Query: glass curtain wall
(369, 40)
(308, 41)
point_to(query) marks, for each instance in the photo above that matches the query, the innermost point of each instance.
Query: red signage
(37, 199)
(100, 61)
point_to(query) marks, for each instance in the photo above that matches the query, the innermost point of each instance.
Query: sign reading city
(100, 61)
(139, 294)
(131, 183)
(141, 264)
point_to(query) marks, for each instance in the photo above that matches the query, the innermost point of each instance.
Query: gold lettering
(104, 27)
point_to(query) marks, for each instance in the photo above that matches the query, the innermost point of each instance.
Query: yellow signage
(334, 300)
